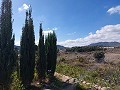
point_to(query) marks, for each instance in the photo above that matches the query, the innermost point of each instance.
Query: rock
(65, 78)
(88, 83)
(37, 83)
(104, 88)
(71, 80)
(96, 86)
(81, 80)
(108, 88)
(84, 82)
(99, 88)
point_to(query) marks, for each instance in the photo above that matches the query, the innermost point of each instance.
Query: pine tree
(27, 51)
(41, 63)
(7, 58)
(51, 53)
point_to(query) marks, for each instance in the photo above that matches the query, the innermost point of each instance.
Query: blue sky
(76, 22)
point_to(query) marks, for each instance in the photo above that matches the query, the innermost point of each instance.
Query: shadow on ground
(56, 84)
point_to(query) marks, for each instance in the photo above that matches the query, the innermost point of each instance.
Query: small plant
(99, 56)
(83, 60)
(35, 76)
(62, 59)
(104, 77)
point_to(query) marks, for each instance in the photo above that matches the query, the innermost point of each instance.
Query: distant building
(108, 47)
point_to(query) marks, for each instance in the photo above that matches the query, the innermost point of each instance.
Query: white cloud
(47, 31)
(114, 10)
(108, 33)
(17, 43)
(23, 7)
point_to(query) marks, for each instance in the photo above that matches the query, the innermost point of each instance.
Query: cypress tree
(7, 58)
(41, 63)
(51, 53)
(27, 51)
(47, 47)
(54, 53)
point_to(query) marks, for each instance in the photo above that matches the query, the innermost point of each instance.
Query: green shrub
(99, 56)
(108, 76)
(16, 83)
(81, 59)
(62, 59)
(69, 70)
(35, 75)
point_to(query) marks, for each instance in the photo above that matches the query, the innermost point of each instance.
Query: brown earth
(111, 55)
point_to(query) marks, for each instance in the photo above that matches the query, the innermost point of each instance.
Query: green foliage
(7, 58)
(35, 76)
(16, 83)
(41, 62)
(81, 59)
(106, 78)
(112, 76)
(51, 53)
(84, 49)
(27, 51)
(62, 59)
(69, 70)
(99, 56)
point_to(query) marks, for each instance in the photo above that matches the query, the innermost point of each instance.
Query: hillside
(106, 44)
(60, 47)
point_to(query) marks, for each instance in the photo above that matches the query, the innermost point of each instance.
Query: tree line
(45, 65)
(84, 49)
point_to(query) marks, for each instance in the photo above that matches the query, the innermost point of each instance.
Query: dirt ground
(86, 61)
(111, 55)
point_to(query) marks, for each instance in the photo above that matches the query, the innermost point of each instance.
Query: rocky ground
(71, 83)
(111, 55)
(86, 61)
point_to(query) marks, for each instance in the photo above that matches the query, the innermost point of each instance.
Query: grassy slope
(105, 77)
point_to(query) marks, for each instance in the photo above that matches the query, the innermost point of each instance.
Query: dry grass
(84, 65)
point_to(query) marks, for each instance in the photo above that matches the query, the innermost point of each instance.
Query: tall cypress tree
(7, 59)
(41, 63)
(27, 51)
(54, 53)
(51, 53)
(47, 49)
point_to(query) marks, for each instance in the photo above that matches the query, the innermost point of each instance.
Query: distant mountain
(106, 44)
(18, 47)
(58, 47)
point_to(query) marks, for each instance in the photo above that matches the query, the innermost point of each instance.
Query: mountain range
(58, 47)
(106, 44)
